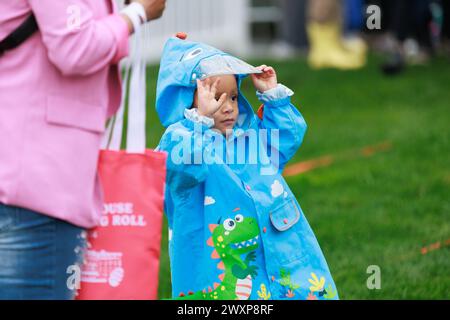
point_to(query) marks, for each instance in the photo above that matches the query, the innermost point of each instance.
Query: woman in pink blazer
(57, 90)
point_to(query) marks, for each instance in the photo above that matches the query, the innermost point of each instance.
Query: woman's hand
(206, 97)
(153, 8)
(266, 80)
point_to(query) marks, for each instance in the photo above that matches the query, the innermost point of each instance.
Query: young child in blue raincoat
(236, 230)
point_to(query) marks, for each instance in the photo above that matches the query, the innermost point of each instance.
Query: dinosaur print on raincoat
(230, 240)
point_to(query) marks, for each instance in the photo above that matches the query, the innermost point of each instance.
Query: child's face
(225, 118)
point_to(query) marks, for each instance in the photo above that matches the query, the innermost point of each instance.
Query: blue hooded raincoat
(236, 230)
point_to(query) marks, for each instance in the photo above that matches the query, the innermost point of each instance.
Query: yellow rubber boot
(356, 45)
(327, 49)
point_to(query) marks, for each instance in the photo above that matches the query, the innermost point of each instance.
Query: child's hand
(266, 80)
(207, 103)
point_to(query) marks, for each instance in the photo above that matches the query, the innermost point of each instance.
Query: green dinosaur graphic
(231, 239)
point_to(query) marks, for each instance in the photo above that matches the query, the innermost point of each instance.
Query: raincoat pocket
(284, 240)
(285, 215)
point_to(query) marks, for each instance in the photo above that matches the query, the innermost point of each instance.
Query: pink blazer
(56, 92)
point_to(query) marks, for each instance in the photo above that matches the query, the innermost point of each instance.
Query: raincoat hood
(182, 63)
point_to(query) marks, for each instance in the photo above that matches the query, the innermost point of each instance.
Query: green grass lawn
(379, 210)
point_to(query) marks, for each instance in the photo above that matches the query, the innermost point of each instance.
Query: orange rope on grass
(324, 161)
(435, 246)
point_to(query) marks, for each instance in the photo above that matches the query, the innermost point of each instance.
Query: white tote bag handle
(136, 69)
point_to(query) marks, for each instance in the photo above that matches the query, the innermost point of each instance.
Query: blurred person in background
(328, 47)
(293, 27)
(408, 23)
(446, 26)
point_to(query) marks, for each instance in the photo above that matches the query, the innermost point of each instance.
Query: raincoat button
(181, 35)
(285, 221)
(264, 229)
(248, 187)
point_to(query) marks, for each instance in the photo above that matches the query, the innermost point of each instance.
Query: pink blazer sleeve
(97, 43)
